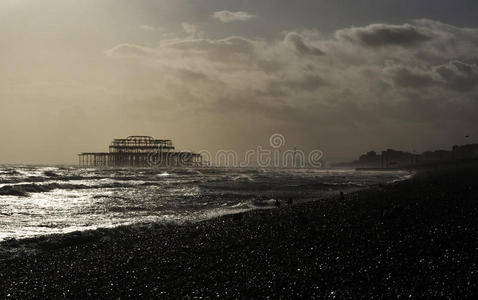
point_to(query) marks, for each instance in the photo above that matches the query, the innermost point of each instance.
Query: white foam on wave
(243, 177)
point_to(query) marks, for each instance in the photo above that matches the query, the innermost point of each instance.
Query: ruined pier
(140, 151)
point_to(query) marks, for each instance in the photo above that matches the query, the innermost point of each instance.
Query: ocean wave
(264, 202)
(243, 177)
(38, 179)
(24, 190)
(50, 173)
(9, 172)
(331, 185)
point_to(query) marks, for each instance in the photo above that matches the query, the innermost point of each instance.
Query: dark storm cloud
(378, 35)
(306, 83)
(284, 69)
(453, 76)
(408, 77)
(285, 87)
(459, 76)
(227, 46)
(297, 41)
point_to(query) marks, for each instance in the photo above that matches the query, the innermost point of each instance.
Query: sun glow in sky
(341, 76)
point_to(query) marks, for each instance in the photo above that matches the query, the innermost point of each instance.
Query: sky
(344, 77)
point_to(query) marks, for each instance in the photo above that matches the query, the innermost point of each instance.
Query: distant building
(435, 156)
(465, 151)
(399, 159)
(370, 160)
(396, 159)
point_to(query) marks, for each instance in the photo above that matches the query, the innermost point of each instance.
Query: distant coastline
(399, 160)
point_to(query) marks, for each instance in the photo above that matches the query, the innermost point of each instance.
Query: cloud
(373, 83)
(151, 28)
(377, 35)
(304, 84)
(408, 76)
(192, 30)
(226, 16)
(189, 28)
(459, 76)
(128, 50)
(297, 41)
(230, 46)
(454, 75)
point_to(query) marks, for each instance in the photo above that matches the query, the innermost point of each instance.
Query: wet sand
(413, 239)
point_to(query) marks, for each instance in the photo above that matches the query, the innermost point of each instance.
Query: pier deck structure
(140, 151)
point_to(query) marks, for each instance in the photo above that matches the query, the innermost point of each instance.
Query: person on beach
(277, 203)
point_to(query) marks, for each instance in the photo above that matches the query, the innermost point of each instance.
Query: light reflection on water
(60, 200)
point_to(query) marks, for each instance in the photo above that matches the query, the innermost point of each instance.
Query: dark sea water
(39, 200)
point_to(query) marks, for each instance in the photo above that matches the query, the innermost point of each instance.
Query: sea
(43, 200)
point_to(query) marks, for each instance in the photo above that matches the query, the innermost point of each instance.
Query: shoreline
(28, 243)
(259, 203)
(412, 237)
(11, 248)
